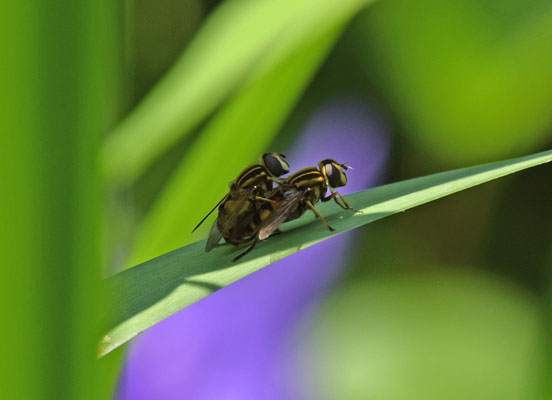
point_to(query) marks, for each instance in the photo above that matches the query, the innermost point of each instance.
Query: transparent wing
(239, 201)
(214, 237)
(278, 216)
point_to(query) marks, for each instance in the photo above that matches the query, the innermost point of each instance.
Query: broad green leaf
(242, 129)
(231, 45)
(154, 290)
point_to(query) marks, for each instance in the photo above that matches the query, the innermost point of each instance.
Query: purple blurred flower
(235, 344)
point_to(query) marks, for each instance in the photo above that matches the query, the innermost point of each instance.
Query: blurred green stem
(59, 79)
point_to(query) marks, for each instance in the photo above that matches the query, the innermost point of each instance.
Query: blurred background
(141, 114)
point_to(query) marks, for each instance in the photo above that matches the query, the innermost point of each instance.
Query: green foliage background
(114, 115)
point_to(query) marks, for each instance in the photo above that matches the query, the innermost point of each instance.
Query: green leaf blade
(156, 289)
(210, 69)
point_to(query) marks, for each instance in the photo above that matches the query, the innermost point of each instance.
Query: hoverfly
(237, 209)
(297, 194)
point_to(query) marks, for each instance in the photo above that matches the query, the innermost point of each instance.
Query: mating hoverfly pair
(254, 208)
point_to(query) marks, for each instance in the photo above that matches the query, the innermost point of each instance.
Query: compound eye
(275, 164)
(336, 177)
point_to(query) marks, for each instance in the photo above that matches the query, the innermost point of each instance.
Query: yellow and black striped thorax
(254, 175)
(307, 177)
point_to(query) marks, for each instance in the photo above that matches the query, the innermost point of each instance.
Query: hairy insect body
(255, 177)
(238, 208)
(311, 183)
(238, 216)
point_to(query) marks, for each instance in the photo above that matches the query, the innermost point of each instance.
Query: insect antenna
(209, 213)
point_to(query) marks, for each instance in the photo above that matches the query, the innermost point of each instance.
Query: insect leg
(259, 198)
(334, 196)
(251, 247)
(281, 182)
(315, 211)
